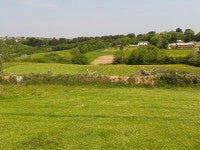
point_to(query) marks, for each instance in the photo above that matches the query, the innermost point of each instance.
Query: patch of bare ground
(103, 60)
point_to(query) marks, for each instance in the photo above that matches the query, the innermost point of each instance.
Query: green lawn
(121, 70)
(59, 117)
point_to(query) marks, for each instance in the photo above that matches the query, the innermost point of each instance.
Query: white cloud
(38, 3)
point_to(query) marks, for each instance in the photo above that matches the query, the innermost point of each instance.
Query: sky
(75, 18)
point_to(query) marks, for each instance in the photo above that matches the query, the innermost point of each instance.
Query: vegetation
(1, 65)
(95, 54)
(12, 49)
(178, 53)
(193, 59)
(150, 55)
(62, 117)
(113, 70)
(80, 106)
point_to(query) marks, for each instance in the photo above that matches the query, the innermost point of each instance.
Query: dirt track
(103, 60)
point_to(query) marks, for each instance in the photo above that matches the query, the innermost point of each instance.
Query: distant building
(133, 45)
(17, 39)
(143, 43)
(182, 45)
(180, 41)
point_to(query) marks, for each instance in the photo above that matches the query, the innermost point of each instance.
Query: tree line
(27, 46)
(85, 44)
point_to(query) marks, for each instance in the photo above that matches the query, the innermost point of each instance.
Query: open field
(59, 117)
(109, 51)
(178, 53)
(61, 53)
(116, 70)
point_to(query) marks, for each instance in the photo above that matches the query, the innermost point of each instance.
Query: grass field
(59, 117)
(116, 70)
(178, 53)
(110, 51)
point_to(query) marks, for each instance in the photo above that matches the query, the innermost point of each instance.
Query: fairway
(59, 117)
(113, 70)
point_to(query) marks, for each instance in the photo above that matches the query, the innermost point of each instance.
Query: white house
(143, 43)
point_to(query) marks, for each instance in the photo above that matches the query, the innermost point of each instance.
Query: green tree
(34, 42)
(179, 30)
(83, 48)
(157, 40)
(75, 51)
(123, 41)
(10, 42)
(80, 59)
(197, 37)
(146, 56)
(131, 35)
(174, 36)
(189, 35)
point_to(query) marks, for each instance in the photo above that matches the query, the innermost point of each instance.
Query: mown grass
(60, 117)
(114, 70)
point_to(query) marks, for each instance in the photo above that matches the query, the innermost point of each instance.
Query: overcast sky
(73, 18)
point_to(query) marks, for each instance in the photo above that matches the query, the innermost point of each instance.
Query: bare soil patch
(103, 60)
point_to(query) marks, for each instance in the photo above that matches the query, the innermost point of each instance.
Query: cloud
(38, 3)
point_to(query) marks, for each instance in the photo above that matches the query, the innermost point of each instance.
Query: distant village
(17, 39)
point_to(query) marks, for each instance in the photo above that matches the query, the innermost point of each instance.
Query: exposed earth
(103, 60)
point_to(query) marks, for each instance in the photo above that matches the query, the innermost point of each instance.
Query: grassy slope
(95, 54)
(122, 70)
(57, 117)
(111, 51)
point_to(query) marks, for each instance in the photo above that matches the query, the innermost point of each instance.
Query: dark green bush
(176, 78)
(146, 56)
(118, 59)
(80, 59)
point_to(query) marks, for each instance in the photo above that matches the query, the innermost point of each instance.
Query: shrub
(193, 59)
(146, 56)
(118, 59)
(80, 59)
(177, 78)
(64, 60)
(75, 51)
(63, 47)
